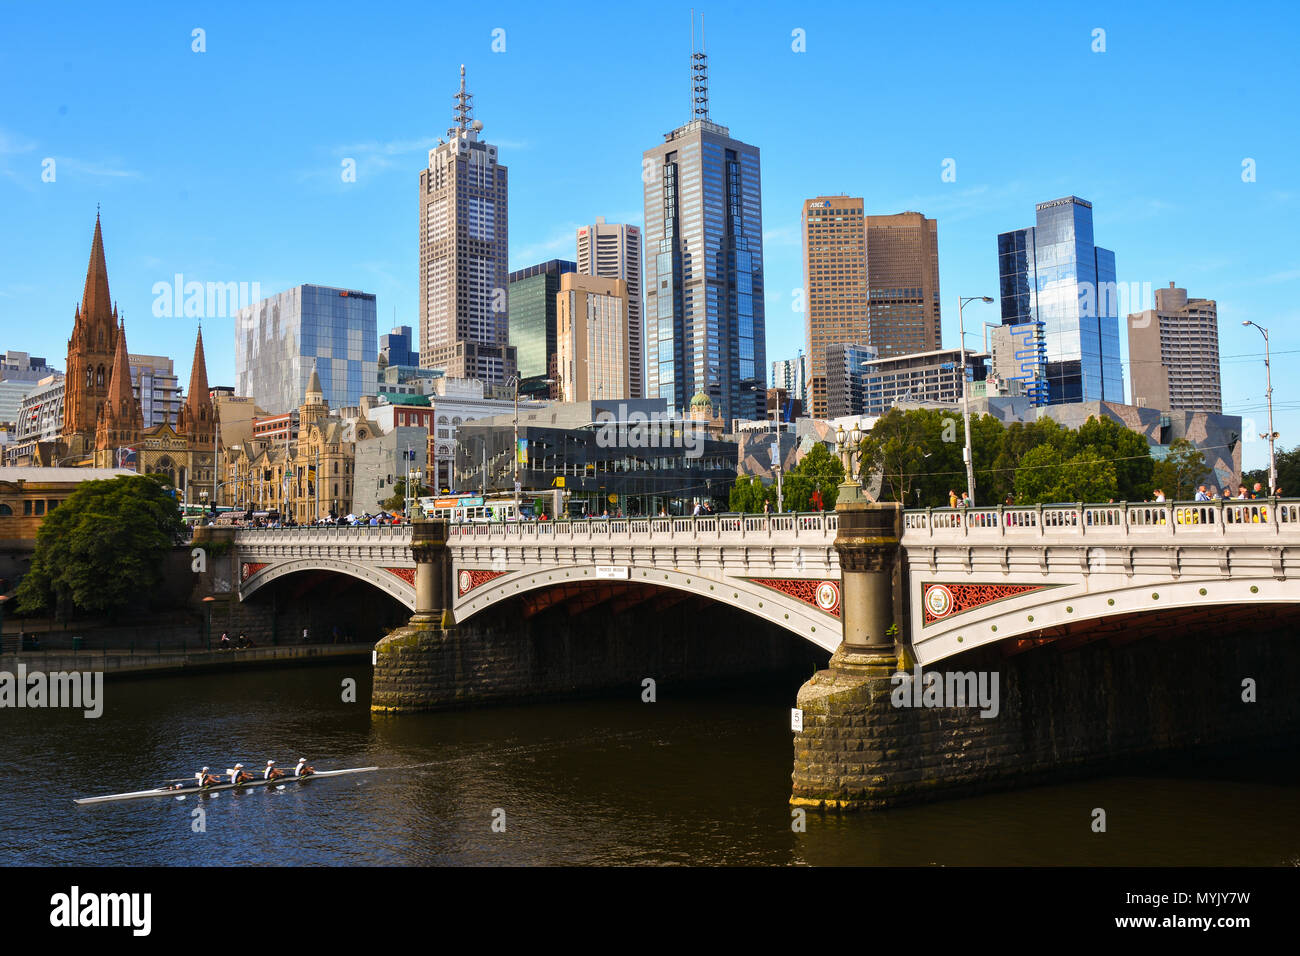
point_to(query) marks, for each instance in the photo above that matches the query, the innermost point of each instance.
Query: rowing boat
(259, 782)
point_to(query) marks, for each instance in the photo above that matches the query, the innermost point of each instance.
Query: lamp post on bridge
(964, 301)
(1272, 435)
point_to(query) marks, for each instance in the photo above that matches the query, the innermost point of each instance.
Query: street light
(1272, 435)
(963, 301)
(515, 380)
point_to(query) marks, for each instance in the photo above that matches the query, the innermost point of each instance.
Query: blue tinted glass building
(1059, 289)
(704, 321)
(279, 340)
(396, 347)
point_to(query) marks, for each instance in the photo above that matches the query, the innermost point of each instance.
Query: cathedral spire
(96, 306)
(196, 417)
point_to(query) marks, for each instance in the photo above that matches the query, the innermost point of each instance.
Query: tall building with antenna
(704, 322)
(464, 232)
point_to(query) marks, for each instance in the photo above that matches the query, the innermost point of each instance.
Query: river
(694, 778)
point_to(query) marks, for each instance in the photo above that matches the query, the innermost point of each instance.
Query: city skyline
(333, 232)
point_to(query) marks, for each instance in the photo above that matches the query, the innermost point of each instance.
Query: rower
(238, 776)
(272, 772)
(207, 779)
(302, 770)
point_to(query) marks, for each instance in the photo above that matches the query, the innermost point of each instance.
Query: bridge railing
(821, 526)
(306, 534)
(1208, 518)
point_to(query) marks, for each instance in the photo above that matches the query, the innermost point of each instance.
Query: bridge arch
(1042, 613)
(825, 630)
(380, 578)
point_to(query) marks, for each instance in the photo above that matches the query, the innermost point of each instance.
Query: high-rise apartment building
(532, 315)
(280, 340)
(869, 281)
(156, 388)
(591, 338)
(613, 251)
(1057, 282)
(704, 319)
(1173, 353)
(791, 375)
(464, 229)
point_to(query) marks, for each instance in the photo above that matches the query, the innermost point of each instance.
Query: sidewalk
(119, 662)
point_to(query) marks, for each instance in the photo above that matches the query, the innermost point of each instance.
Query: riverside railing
(1263, 516)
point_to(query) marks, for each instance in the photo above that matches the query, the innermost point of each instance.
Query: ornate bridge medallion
(248, 568)
(823, 595)
(943, 600)
(468, 580)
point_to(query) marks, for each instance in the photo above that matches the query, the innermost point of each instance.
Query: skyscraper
(280, 340)
(1173, 353)
(903, 277)
(1053, 278)
(791, 375)
(835, 285)
(704, 328)
(532, 315)
(613, 251)
(464, 226)
(396, 349)
(868, 280)
(591, 338)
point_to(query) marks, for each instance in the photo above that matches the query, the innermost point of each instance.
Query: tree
(1107, 439)
(817, 472)
(895, 446)
(397, 500)
(1181, 471)
(1288, 472)
(748, 495)
(1087, 478)
(1037, 475)
(103, 550)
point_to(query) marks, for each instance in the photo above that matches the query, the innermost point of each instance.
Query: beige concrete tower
(613, 251)
(591, 338)
(1174, 353)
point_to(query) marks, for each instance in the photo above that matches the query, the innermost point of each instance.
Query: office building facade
(280, 340)
(591, 338)
(613, 251)
(1173, 353)
(156, 388)
(1056, 280)
(532, 315)
(464, 230)
(397, 348)
(704, 317)
(868, 280)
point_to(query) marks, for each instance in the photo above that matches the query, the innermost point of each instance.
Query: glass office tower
(279, 340)
(532, 315)
(704, 323)
(1059, 290)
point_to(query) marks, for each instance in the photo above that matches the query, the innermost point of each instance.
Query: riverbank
(172, 663)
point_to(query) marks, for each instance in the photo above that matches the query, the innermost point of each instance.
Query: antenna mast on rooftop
(699, 73)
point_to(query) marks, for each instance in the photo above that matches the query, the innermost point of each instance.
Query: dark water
(699, 779)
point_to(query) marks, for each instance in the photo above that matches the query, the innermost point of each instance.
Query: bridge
(966, 578)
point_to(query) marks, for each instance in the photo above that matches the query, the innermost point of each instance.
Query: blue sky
(225, 165)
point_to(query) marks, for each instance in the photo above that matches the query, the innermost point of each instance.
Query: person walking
(952, 498)
(965, 500)
(1202, 494)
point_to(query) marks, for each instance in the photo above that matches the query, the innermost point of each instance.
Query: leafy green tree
(1107, 439)
(1288, 473)
(1087, 478)
(103, 550)
(1181, 471)
(1038, 474)
(748, 495)
(896, 447)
